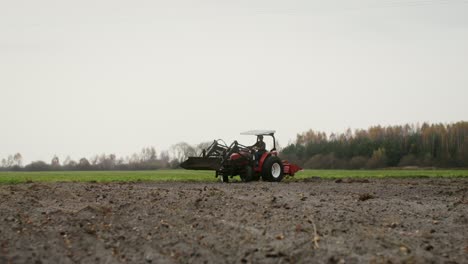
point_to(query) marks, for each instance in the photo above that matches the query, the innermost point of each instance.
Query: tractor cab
(263, 133)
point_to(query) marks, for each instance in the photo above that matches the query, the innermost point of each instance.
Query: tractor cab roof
(259, 132)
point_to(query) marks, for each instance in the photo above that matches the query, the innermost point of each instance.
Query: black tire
(247, 174)
(224, 178)
(255, 177)
(272, 169)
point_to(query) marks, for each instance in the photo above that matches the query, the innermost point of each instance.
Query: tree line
(146, 159)
(426, 145)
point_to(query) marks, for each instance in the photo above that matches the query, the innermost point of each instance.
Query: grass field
(185, 175)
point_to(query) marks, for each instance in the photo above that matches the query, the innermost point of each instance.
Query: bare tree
(181, 151)
(67, 161)
(18, 160)
(148, 154)
(164, 156)
(9, 161)
(202, 146)
(83, 164)
(106, 162)
(72, 164)
(112, 159)
(120, 161)
(55, 162)
(134, 159)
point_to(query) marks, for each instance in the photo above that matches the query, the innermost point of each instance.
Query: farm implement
(249, 162)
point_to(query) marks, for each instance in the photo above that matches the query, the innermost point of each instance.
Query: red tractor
(247, 162)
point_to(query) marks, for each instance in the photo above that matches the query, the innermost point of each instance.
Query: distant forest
(426, 145)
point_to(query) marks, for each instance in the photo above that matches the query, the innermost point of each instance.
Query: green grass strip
(205, 176)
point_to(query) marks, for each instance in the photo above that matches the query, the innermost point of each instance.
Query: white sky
(85, 77)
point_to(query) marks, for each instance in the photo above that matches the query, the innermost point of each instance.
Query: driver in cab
(259, 147)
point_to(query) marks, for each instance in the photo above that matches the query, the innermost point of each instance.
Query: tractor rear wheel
(272, 169)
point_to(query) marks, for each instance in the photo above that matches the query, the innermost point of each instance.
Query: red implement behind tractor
(250, 163)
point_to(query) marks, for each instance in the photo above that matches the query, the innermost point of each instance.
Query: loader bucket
(201, 163)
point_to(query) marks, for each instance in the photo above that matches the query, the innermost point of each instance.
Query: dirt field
(323, 221)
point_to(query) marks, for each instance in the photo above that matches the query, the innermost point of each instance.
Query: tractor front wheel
(247, 174)
(272, 169)
(224, 178)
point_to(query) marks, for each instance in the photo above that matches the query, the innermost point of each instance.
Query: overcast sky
(85, 77)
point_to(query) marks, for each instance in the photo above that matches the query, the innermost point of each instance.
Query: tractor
(249, 163)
